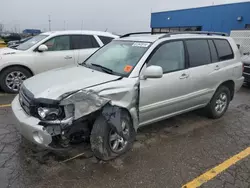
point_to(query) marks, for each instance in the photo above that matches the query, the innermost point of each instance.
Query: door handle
(184, 76)
(217, 67)
(68, 57)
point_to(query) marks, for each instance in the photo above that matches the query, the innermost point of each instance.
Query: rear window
(83, 42)
(224, 49)
(198, 52)
(105, 40)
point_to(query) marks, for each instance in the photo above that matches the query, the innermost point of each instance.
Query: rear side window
(224, 49)
(105, 40)
(198, 51)
(214, 55)
(83, 42)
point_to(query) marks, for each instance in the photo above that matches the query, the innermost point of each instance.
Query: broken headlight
(49, 113)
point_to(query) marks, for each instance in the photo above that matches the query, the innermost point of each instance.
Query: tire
(100, 138)
(212, 106)
(15, 70)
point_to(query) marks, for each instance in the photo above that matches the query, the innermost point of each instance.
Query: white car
(47, 51)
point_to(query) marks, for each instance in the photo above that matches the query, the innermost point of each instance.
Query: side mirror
(153, 71)
(42, 48)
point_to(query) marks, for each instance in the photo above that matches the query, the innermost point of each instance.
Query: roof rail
(137, 33)
(194, 32)
(140, 33)
(168, 34)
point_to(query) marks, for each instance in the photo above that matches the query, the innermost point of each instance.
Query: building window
(176, 29)
(156, 30)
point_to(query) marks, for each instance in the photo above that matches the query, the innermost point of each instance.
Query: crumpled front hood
(54, 83)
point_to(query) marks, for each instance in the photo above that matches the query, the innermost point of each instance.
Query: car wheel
(219, 103)
(106, 144)
(12, 78)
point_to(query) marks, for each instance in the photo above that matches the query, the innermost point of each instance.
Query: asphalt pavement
(169, 154)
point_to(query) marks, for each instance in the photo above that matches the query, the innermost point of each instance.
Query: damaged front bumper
(29, 126)
(80, 110)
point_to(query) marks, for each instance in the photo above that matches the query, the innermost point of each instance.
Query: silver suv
(133, 81)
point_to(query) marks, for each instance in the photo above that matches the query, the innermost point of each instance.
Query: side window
(58, 43)
(170, 56)
(83, 42)
(213, 51)
(224, 49)
(198, 52)
(105, 40)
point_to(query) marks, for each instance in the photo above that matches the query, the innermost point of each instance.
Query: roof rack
(194, 32)
(136, 33)
(168, 34)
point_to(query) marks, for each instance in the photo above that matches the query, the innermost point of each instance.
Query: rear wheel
(219, 103)
(12, 78)
(106, 144)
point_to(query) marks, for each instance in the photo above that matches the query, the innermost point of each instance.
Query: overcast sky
(118, 16)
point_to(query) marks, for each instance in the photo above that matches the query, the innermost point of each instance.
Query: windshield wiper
(105, 69)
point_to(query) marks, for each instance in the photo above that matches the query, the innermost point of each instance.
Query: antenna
(49, 23)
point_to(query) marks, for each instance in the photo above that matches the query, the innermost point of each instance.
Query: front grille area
(247, 68)
(27, 102)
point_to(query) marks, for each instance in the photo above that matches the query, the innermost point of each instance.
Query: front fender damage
(106, 102)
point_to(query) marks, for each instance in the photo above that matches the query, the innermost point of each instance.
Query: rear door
(200, 69)
(83, 46)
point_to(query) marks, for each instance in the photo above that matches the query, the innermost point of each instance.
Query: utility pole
(49, 23)
(82, 25)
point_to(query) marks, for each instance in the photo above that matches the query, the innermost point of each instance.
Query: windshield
(119, 57)
(31, 42)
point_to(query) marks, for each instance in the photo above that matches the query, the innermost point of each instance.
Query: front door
(59, 54)
(166, 96)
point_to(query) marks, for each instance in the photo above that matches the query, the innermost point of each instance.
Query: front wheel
(219, 103)
(12, 78)
(106, 144)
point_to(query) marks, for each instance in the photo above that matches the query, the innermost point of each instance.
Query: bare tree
(1, 27)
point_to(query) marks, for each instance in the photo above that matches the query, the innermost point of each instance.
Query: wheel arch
(230, 85)
(18, 65)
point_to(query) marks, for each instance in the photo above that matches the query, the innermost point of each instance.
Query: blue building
(32, 31)
(220, 18)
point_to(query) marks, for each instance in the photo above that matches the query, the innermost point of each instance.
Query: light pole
(49, 23)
